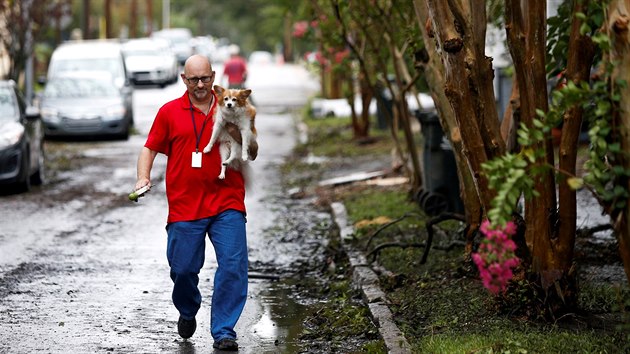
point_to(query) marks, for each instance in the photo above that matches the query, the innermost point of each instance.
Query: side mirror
(32, 113)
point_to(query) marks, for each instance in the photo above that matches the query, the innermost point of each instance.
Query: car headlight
(114, 112)
(11, 134)
(50, 115)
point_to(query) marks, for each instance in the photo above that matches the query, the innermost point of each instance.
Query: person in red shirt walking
(235, 69)
(200, 204)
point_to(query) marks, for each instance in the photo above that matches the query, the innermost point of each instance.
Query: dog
(235, 108)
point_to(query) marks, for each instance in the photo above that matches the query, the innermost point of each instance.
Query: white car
(85, 103)
(150, 61)
(261, 57)
(180, 41)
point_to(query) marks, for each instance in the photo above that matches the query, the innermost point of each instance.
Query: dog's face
(232, 99)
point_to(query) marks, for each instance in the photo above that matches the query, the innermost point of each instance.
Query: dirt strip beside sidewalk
(366, 280)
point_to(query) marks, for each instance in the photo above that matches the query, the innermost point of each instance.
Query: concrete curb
(366, 280)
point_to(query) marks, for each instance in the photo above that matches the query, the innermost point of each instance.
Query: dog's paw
(207, 149)
(222, 176)
(245, 157)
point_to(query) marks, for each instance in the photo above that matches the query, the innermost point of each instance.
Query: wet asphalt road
(83, 270)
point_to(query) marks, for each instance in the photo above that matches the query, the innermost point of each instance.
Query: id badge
(196, 159)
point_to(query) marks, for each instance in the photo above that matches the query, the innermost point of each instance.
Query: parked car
(206, 46)
(92, 55)
(85, 103)
(150, 61)
(21, 140)
(180, 39)
(261, 57)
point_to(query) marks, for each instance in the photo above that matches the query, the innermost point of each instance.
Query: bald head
(197, 63)
(198, 77)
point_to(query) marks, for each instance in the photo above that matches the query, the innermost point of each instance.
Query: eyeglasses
(195, 80)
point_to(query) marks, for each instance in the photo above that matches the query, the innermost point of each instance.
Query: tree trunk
(580, 59)
(511, 119)
(526, 40)
(362, 124)
(468, 85)
(618, 28)
(433, 70)
(401, 109)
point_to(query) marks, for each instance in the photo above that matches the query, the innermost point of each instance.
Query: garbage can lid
(427, 117)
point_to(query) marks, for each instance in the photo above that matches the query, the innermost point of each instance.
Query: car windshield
(110, 65)
(141, 52)
(80, 88)
(8, 106)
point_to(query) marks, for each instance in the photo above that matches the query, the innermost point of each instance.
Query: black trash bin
(384, 107)
(440, 192)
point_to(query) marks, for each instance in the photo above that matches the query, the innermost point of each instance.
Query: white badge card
(196, 159)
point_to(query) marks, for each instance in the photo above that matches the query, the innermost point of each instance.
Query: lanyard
(192, 116)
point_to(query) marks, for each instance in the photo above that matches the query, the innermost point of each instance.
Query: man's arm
(145, 164)
(235, 133)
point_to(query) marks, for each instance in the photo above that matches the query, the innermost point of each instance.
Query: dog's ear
(245, 93)
(218, 89)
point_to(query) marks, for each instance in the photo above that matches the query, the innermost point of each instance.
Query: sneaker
(186, 328)
(227, 344)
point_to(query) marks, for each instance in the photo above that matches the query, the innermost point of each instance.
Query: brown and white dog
(234, 108)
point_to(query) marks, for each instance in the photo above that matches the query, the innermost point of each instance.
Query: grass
(441, 306)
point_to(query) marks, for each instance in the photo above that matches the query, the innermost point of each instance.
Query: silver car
(85, 104)
(21, 140)
(150, 61)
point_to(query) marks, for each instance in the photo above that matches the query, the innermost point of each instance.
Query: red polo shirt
(193, 193)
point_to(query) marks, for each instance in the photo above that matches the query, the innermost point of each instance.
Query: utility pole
(149, 27)
(133, 19)
(166, 14)
(28, 70)
(108, 19)
(86, 19)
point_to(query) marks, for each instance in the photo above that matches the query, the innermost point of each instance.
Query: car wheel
(124, 135)
(37, 178)
(24, 184)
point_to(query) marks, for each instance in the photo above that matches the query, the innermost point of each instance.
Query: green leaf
(603, 107)
(621, 204)
(575, 183)
(614, 147)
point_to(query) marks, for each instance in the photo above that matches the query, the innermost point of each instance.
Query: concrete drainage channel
(365, 279)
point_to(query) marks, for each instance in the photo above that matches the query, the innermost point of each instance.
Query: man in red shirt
(235, 69)
(200, 204)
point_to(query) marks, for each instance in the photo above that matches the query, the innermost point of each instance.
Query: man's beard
(200, 94)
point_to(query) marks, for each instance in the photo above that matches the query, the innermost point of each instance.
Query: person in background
(200, 204)
(235, 69)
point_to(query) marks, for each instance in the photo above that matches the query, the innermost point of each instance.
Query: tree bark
(511, 119)
(527, 44)
(468, 85)
(618, 27)
(433, 70)
(580, 59)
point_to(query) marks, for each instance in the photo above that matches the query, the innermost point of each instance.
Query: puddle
(281, 322)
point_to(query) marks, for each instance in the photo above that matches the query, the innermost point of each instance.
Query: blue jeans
(186, 253)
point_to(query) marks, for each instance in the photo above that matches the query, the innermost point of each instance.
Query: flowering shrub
(495, 258)
(299, 29)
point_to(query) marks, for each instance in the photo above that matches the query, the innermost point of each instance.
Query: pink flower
(495, 258)
(341, 55)
(510, 228)
(299, 29)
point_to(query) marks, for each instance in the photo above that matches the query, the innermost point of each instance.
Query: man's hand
(235, 133)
